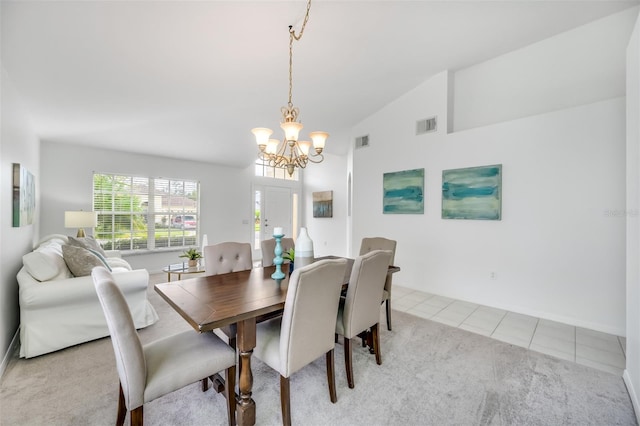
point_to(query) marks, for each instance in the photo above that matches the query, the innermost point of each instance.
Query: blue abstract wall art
(472, 193)
(403, 192)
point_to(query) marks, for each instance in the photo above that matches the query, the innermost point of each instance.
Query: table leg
(246, 340)
(169, 277)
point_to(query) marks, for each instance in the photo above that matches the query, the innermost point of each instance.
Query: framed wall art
(323, 204)
(24, 196)
(472, 193)
(403, 192)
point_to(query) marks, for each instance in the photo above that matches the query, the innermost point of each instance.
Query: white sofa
(58, 309)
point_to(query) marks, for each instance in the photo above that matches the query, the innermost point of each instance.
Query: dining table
(215, 301)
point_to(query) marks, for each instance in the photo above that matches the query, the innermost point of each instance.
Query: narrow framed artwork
(323, 204)
(472, 193)
(24, 196)
(403, 192)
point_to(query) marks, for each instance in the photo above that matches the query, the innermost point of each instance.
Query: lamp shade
(304, 147)
(262, 135)
(319, 139)
(80, 219)
(291, 130)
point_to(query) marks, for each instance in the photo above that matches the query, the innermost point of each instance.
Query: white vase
(304, 249)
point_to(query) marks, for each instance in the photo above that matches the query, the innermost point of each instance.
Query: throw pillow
(88, 243)
(102, 258)
(80, 261)
(46, 263)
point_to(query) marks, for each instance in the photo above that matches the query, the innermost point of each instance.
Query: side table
(182, 268)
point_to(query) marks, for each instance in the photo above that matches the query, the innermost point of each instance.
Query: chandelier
(290, 152)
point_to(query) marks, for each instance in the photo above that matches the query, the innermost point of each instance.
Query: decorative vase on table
(278, 275)
(304, 249)
(193, 263)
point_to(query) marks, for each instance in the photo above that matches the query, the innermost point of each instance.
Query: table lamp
(80, 220)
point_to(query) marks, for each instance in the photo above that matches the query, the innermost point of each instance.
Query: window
(139, 213)
(265, 170)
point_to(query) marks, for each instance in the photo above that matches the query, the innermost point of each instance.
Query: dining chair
(359, 311)
(223, 258)
(226, 257)
(162, 366)
(379, 243)
(306, 329)
(268, 247)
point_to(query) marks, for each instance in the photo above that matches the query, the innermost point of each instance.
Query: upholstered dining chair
(359, 311)
(268, 247)
(226, 257)
(163, 366)
(223, 258)
(306, 329)
(379, 243)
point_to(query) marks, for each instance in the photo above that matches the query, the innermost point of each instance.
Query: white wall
(632, 372)
(67, 172)
(329, 235)
(547, 75)
(18, 144)
(559, 250)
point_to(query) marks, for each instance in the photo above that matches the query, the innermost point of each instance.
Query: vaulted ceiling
(189, 79)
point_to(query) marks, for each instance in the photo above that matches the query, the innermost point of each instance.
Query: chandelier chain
(290, 153)
(293, 36)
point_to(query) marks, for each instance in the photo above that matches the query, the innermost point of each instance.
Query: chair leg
(285, 401)
(230, 394)
(137, 416)
(331, 377)
(375, 335)
(347, 362)
(122, 409)
(388, 314)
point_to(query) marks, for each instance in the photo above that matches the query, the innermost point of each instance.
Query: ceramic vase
(304, 249)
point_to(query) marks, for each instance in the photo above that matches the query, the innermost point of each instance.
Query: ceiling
(189, 79)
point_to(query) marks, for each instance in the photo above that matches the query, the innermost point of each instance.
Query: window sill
(140, 252)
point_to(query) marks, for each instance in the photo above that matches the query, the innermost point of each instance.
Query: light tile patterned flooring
(587, 347)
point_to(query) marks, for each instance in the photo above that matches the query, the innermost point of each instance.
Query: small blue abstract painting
(403, 192)
(472, 193)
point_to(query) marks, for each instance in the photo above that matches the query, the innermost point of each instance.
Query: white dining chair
(359, 311)
(226, 257)
(379, 243)
(163, 366)
(305, 331)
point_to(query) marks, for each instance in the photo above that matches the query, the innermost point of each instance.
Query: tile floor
(587, 347)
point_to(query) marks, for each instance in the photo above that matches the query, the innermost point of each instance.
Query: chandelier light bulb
(304, 147)
(319, 139)
(291, 130)
(272, 146)
(262, 135)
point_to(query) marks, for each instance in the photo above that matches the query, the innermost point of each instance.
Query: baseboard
(13, 348)
(632, 394)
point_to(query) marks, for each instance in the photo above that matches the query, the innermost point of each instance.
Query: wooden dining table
(215, 301)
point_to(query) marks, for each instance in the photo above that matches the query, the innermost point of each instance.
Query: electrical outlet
(492, 275)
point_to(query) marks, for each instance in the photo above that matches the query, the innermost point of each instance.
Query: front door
(277, 211)
(275, 207)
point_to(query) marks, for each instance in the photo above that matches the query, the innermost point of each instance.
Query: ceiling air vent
(362, 141)
(427, 125)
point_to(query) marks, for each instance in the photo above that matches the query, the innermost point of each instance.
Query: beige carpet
(431, 374)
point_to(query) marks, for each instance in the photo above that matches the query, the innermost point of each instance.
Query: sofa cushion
(80, 260)
(88, 243)
(46, 263)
